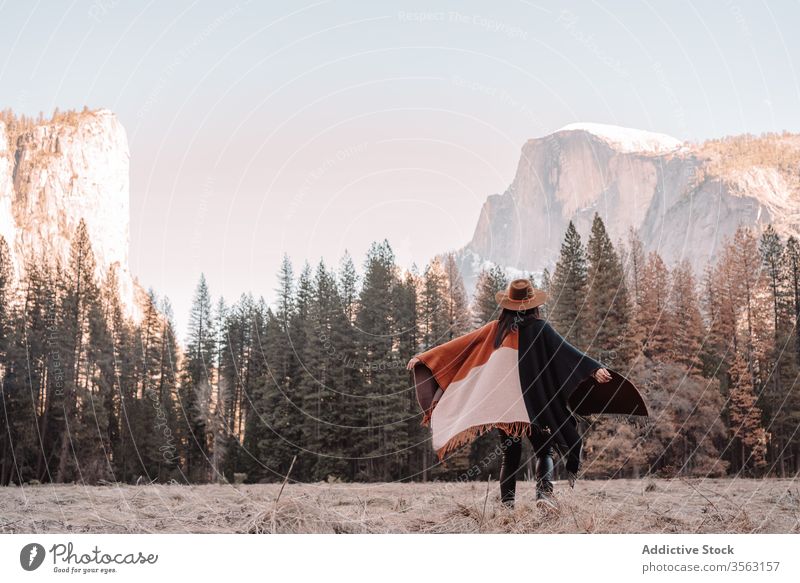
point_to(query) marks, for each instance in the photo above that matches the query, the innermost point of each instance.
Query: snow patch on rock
(628, 140)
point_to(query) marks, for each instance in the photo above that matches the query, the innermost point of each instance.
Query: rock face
(54, 174)
(683, 199)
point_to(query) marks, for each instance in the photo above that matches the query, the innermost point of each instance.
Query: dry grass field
(613, 506)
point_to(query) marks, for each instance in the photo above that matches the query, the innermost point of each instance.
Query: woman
(519, 376)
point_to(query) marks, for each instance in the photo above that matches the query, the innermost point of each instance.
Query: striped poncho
(467, 387)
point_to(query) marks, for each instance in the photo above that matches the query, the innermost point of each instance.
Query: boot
(544, 476)
(508, 493)
(509, 464)
(508, 486)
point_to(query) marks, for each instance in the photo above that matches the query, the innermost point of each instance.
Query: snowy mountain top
(627, 139)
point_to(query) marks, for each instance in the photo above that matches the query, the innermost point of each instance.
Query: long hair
(508, 321)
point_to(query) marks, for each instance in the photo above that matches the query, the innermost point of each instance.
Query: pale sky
(310, 127)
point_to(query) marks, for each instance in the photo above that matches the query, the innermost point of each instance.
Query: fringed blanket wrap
(467, 387)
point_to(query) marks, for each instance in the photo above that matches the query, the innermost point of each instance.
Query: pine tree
(655, 326)
(544, 311)
(384, 376)
(490, 281)
(346, 338)
(348, 287)
(166, 426)
(740, 323)
(568, 287)
(434, 308)
(253, 430)
(78, 309)
(793, 277)
(406, 309)
(788, 440)
(235, 364)
(753, 283)
(149, 349)
(196, 385)
(280, 419)
(95, 452)
(303, 385)
(10, 395)
(721, 299)
(778, 403)
(124, 425)
(684, 310)
(334, 387)
(95, 456)
(608, 307)
(41, 365)
(6, 296)
(321, 399)
(222, 397)
(457, 303)
(746, 427)
(285, 291)
(634, 266)
(275, 409)
(771, 250)
(790, 458)
(605, 327)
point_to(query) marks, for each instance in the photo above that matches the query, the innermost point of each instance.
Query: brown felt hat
(521, 295)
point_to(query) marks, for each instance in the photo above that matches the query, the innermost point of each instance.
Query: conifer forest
(314, 384)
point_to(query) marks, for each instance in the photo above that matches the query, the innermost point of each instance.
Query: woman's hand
(412, 363)
(602, 375)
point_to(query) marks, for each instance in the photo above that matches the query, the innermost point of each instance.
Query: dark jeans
(512, 452)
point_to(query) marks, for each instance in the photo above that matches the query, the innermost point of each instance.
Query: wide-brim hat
(521, 295)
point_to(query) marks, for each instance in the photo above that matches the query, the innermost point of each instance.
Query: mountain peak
(683, 202)
(627, 140)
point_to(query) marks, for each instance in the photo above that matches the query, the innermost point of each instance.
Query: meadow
(677, 505)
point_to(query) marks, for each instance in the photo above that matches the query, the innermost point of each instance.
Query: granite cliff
(684, 199)
(55, 173)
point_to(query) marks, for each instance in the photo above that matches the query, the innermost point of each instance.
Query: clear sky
(258, 128)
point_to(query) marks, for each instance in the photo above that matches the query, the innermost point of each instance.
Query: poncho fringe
(515, 429)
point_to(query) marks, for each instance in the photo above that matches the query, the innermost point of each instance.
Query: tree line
(316, 383)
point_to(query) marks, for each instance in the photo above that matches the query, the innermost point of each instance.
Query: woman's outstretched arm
(583, 364)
